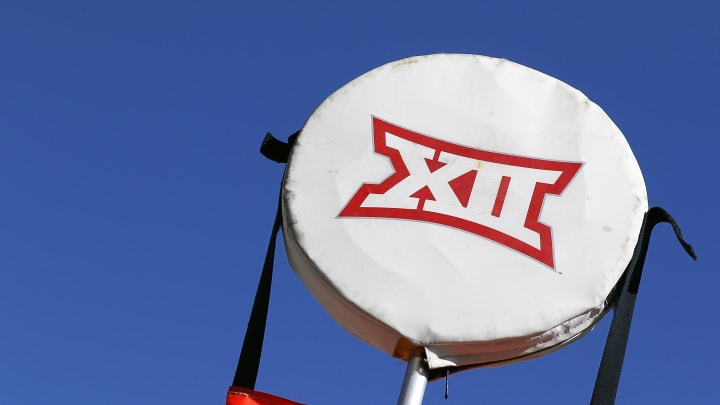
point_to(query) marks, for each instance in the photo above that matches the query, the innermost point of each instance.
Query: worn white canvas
(463, 204)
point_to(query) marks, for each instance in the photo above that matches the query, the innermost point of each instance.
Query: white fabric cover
(534, 208)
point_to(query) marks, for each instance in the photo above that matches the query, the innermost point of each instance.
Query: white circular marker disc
(467, 205)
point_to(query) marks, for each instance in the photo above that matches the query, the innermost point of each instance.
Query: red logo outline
(544, 254)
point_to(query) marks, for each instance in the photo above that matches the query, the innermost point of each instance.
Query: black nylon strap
(275, 149)
(249, 361)
(608, 377)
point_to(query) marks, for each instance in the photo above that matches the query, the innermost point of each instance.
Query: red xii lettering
(493, 195)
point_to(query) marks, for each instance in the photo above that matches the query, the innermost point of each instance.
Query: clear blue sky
(135, 207)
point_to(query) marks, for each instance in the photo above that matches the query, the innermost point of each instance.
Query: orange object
(246, 396)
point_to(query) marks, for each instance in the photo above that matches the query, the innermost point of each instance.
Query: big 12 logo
(493, 195)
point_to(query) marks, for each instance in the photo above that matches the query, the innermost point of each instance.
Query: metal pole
(416, 376)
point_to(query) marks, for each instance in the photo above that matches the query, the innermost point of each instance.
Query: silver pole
(416, 376)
